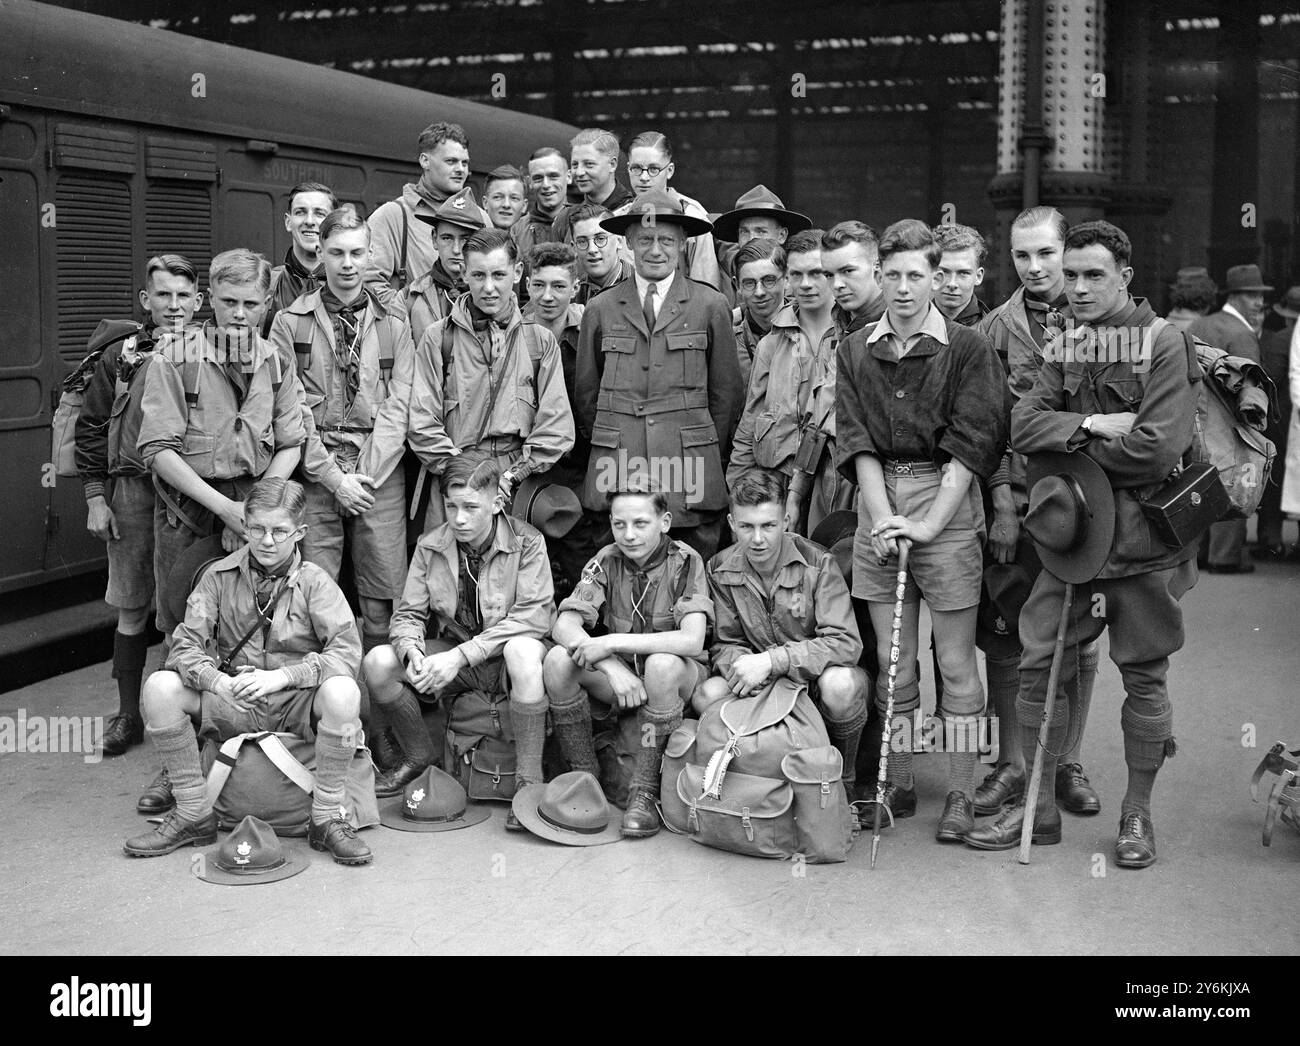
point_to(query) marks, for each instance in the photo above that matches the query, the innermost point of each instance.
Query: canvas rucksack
(759, 776)
(63, 438)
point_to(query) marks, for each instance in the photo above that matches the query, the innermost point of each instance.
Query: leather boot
(157, 798)
(385, 750)
(393, 782)
(1004, 833)
(172, 834)
(338, 838)
(123, 732)
(1074, 792)
(1136, 846)
(957, 820)
(1004, 784)
(641, 818)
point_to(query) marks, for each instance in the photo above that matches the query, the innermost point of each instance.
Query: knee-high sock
(962, 732)
(1003, 687)
(656, 726)
(907, 697)
(1088, 656)
(1147, 741)
(1030, 717)
(178, 749)
(409, 729)
(334, 751)
(529, 722)
(129, 653)
(572, 722)
(846, 734)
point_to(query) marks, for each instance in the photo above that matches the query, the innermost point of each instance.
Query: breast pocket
(688, 360)
(199, 451)
(1120, 395)
(620, 358)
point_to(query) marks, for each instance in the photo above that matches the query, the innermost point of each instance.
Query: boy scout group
(468, 369)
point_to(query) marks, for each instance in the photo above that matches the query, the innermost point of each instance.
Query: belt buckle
(903, 468)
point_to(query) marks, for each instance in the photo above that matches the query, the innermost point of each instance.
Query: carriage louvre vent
(94, 255)
(178, 220)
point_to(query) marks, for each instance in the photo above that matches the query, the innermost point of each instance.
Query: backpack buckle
(746, 823)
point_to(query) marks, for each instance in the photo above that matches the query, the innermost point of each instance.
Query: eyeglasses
(636, 170)
(278, 534)
(583, 242)
(770, 283)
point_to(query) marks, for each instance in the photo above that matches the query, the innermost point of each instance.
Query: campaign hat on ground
(666, 208)
(571, 810)
(1245, 278)
(550, 507)
(187, 570)
(759, 202)
(835, 535)
(433, 802)
(1071, 515)
(458, 209)
(250, 854)
(1289, 306)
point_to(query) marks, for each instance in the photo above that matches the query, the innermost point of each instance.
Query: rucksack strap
(302, 340)
(191, 370)
(400, 273)
(272, 747)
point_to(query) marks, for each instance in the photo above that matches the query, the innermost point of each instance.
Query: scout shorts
(375, 540)
(288, 712)
(947, 571)
(130, 556)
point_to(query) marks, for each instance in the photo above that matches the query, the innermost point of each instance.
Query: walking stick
(895, 642)
(1053, 681)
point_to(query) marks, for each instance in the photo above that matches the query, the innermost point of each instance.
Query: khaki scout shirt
(675, 588)
(516, 596)
(463, 414)
(370, 437)
(429, 299)
(806, 624)
(228, 433)
(313, 634)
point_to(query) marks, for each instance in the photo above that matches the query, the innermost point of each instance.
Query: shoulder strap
(263, 621)
(227, 757)
(273, 748)
(447, 336)
(191, 370)
(400, 273)
(533, 339)
(302, 339)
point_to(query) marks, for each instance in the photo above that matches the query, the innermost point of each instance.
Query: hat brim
(1283, 311)
(565, 515)
(620, 223)
(432, 221)
(525, 804)
(184, 572)
(1254, 287)
(210, 873)
(390, 816)
(836, 526)
(1085, 562)
(727, 227)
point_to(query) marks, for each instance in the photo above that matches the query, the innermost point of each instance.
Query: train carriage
(118, 142)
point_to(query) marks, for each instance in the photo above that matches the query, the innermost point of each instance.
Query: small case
(1186, 504)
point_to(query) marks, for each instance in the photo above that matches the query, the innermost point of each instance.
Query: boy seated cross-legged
(289, 653)
(646, 599)
(479, 588)
(783, 609)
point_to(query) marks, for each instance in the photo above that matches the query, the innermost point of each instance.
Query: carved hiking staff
(1049, 705)
(895, 642)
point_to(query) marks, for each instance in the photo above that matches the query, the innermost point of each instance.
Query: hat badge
(243, 850)
(459, 203)
(417, 797)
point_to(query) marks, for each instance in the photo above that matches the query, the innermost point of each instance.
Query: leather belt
(359, 429)
(911, 468)
(665, 404)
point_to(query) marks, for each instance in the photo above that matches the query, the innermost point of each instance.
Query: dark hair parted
(639, 484)
(803, 242)
(274, 493)
(319, 187)
(485, 241)
(758, 486)
(545, 255)
(760, 249)
(911, 234)
(342, 219)
(484, 474)
(1112, 237)
(437, 133)
(1043, 215)
(176, 264)
(961, 238)
(841, 234)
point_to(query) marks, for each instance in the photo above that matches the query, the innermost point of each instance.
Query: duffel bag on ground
(269, 776)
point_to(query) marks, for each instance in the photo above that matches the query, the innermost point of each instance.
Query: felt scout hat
(1289, 306)
(551, 508)
(459, 209)
(187, 570)
(433, 802)
(759, 202)
(835, 535)
(571, 810)
(664, 207)
(1071, 515)
(252, 853)
(1245, 278)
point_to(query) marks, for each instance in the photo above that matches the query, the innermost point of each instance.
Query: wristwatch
(1087, 425)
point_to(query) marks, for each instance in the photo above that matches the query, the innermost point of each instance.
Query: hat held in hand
(1071, 514)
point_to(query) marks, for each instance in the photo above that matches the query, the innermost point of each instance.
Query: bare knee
(163, 697)
(710, 692)
(375, 615)
(558, 668)
(338, 700)
(132, 621)
(380, 666)
(524, 656)
(840, 690)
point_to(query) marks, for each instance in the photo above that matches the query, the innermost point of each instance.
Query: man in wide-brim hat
(1133, 420)
(657, 377)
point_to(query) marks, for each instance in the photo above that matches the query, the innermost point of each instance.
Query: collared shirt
(933, 325)
(661, 288)
(805, 622)
(1233, 312)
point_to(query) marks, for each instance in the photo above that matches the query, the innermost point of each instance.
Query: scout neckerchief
(134, 352)
(1045, 318)
(348, 320)
(471, 568)
(268, 587)
(646, 579)
(491, 334)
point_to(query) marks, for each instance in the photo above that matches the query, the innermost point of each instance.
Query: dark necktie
(648, 308)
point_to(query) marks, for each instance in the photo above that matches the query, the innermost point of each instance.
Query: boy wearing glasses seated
(268, 643)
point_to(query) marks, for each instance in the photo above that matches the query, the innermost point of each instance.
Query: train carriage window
(178, 219)
(249, 219)
(94, 257)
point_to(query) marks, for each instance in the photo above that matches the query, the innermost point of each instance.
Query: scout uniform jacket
(675, 588)
(671, 397)
(313, 633)
(370, 437)
(1161, 394)
(746, 343)
(807, 624)
(516, 596)
(473, 400)
(792, 386)
(220, 430)
(429, 299)
(387, 225)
